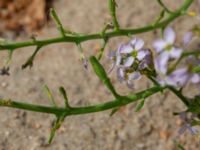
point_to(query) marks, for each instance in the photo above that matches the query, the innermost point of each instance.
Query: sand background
(153, 128)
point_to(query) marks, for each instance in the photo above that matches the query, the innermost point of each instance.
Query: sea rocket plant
(131, 60)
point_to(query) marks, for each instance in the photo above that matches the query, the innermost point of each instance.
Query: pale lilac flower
(147, 61)
(187, 124)
(132, 51)
(161, 63)
(124, 75)
(130, 59)
(166, 45)
(179, 78)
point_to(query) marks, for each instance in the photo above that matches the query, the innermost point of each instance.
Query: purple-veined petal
(129, 61)
(159, 45)
(161, 62)
(178, 78)
(176, 52)
(120, 74)
(141, 54)
(129, 84)
(169, 35)
(195, 78)
(192, 130)
(139, 44)
(187, 38)
(147, 61)
(171, 81)
(182, 129)
(125, 49)
(132, 42)
(118, 60)
(134, 76)
(142, 65)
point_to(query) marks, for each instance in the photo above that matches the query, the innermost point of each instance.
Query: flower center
(168, 47)
(134, 53)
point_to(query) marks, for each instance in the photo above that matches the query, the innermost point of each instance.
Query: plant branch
(160, 2)
(82, 38)
(81, 110)
(112, 8)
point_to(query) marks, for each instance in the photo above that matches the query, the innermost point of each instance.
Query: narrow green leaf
(64, 94)
(58, 22)
(56, 126)
(50, 95)
(30, 60)
(101, 52)
(114, 111)
(100, 72)
(196, 69)
(140, 105)
(9, 58)
(160, 17)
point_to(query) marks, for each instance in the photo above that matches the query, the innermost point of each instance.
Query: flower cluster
(187, 123)
(131, 60)
(167, 52)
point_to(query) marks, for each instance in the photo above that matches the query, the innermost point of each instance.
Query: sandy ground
(153, 128)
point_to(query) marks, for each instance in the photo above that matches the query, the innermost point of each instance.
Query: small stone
(4, 84)
(164, 134)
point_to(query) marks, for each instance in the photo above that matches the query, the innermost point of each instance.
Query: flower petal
(169, 35)
(139, 44)
(178, 78)
(133, 41)
(159, 45)
(176, 53)
(129, 61)
(141, 54)
(195, 78)
(125, 49)
(161, 62)
(118, 60)
(182, 129)
(134, 76)
(129, 84)
(120, 74)
(187, 38)
(192, 130)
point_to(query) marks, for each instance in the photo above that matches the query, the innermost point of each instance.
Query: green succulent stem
(59, 111)
(116, 33)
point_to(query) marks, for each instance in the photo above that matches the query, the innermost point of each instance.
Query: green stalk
(82, 38)
(81, 110)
